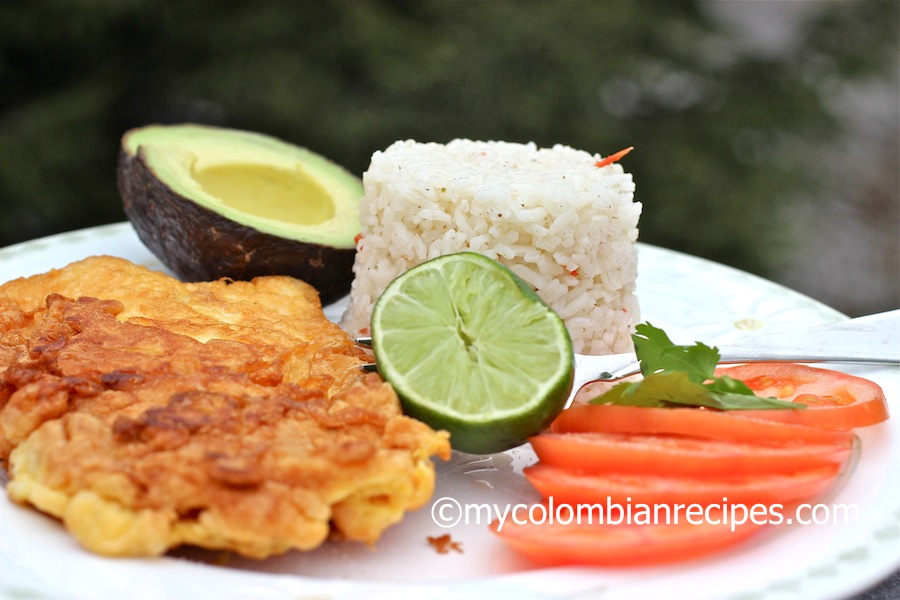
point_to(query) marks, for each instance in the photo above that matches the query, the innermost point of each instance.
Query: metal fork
(873, 339)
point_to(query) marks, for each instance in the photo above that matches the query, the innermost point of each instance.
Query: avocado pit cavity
(268, 192)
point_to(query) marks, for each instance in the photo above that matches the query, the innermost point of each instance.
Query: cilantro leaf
(675, 375)
(659, 390)
(733, 394)
(658, 353)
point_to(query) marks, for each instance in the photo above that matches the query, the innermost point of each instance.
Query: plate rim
(15, 251)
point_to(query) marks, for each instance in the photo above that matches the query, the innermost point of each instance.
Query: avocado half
(211, 202)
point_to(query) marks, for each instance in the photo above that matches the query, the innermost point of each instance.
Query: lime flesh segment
(471, 349)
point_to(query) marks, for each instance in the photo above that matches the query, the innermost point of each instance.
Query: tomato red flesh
(834, 400)
(732, 426)
(623, 544)
(691, 457)
(571, 487)
(675, 455)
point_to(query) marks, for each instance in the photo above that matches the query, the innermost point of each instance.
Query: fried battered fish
(147, 413)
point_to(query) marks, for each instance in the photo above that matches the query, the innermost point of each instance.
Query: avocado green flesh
(268, 192)
(212, 203)
(255, 180)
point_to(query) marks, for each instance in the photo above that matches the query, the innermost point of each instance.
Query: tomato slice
(715, 461)
(571, 487)
(605, 544)
(835, 400)
(676, 455)
(732, 426)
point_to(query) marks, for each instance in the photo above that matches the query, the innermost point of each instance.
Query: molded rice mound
(565, 226)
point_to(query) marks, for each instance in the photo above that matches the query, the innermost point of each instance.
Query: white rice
(563, 225)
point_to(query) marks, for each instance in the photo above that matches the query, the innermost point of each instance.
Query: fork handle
(735, 354)
(872, 339)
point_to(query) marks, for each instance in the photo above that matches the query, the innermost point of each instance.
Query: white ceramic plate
(690, 298)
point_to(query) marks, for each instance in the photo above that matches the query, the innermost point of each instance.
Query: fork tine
(366, 342)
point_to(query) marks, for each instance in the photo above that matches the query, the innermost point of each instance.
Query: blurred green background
(766, 133)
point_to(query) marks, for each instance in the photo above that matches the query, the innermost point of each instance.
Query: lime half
(471, 349)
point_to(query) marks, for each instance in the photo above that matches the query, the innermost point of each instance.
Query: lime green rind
(495, 435)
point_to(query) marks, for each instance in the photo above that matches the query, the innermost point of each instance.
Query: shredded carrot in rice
(613, 157)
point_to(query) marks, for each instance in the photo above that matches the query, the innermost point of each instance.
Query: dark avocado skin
(198, 244)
